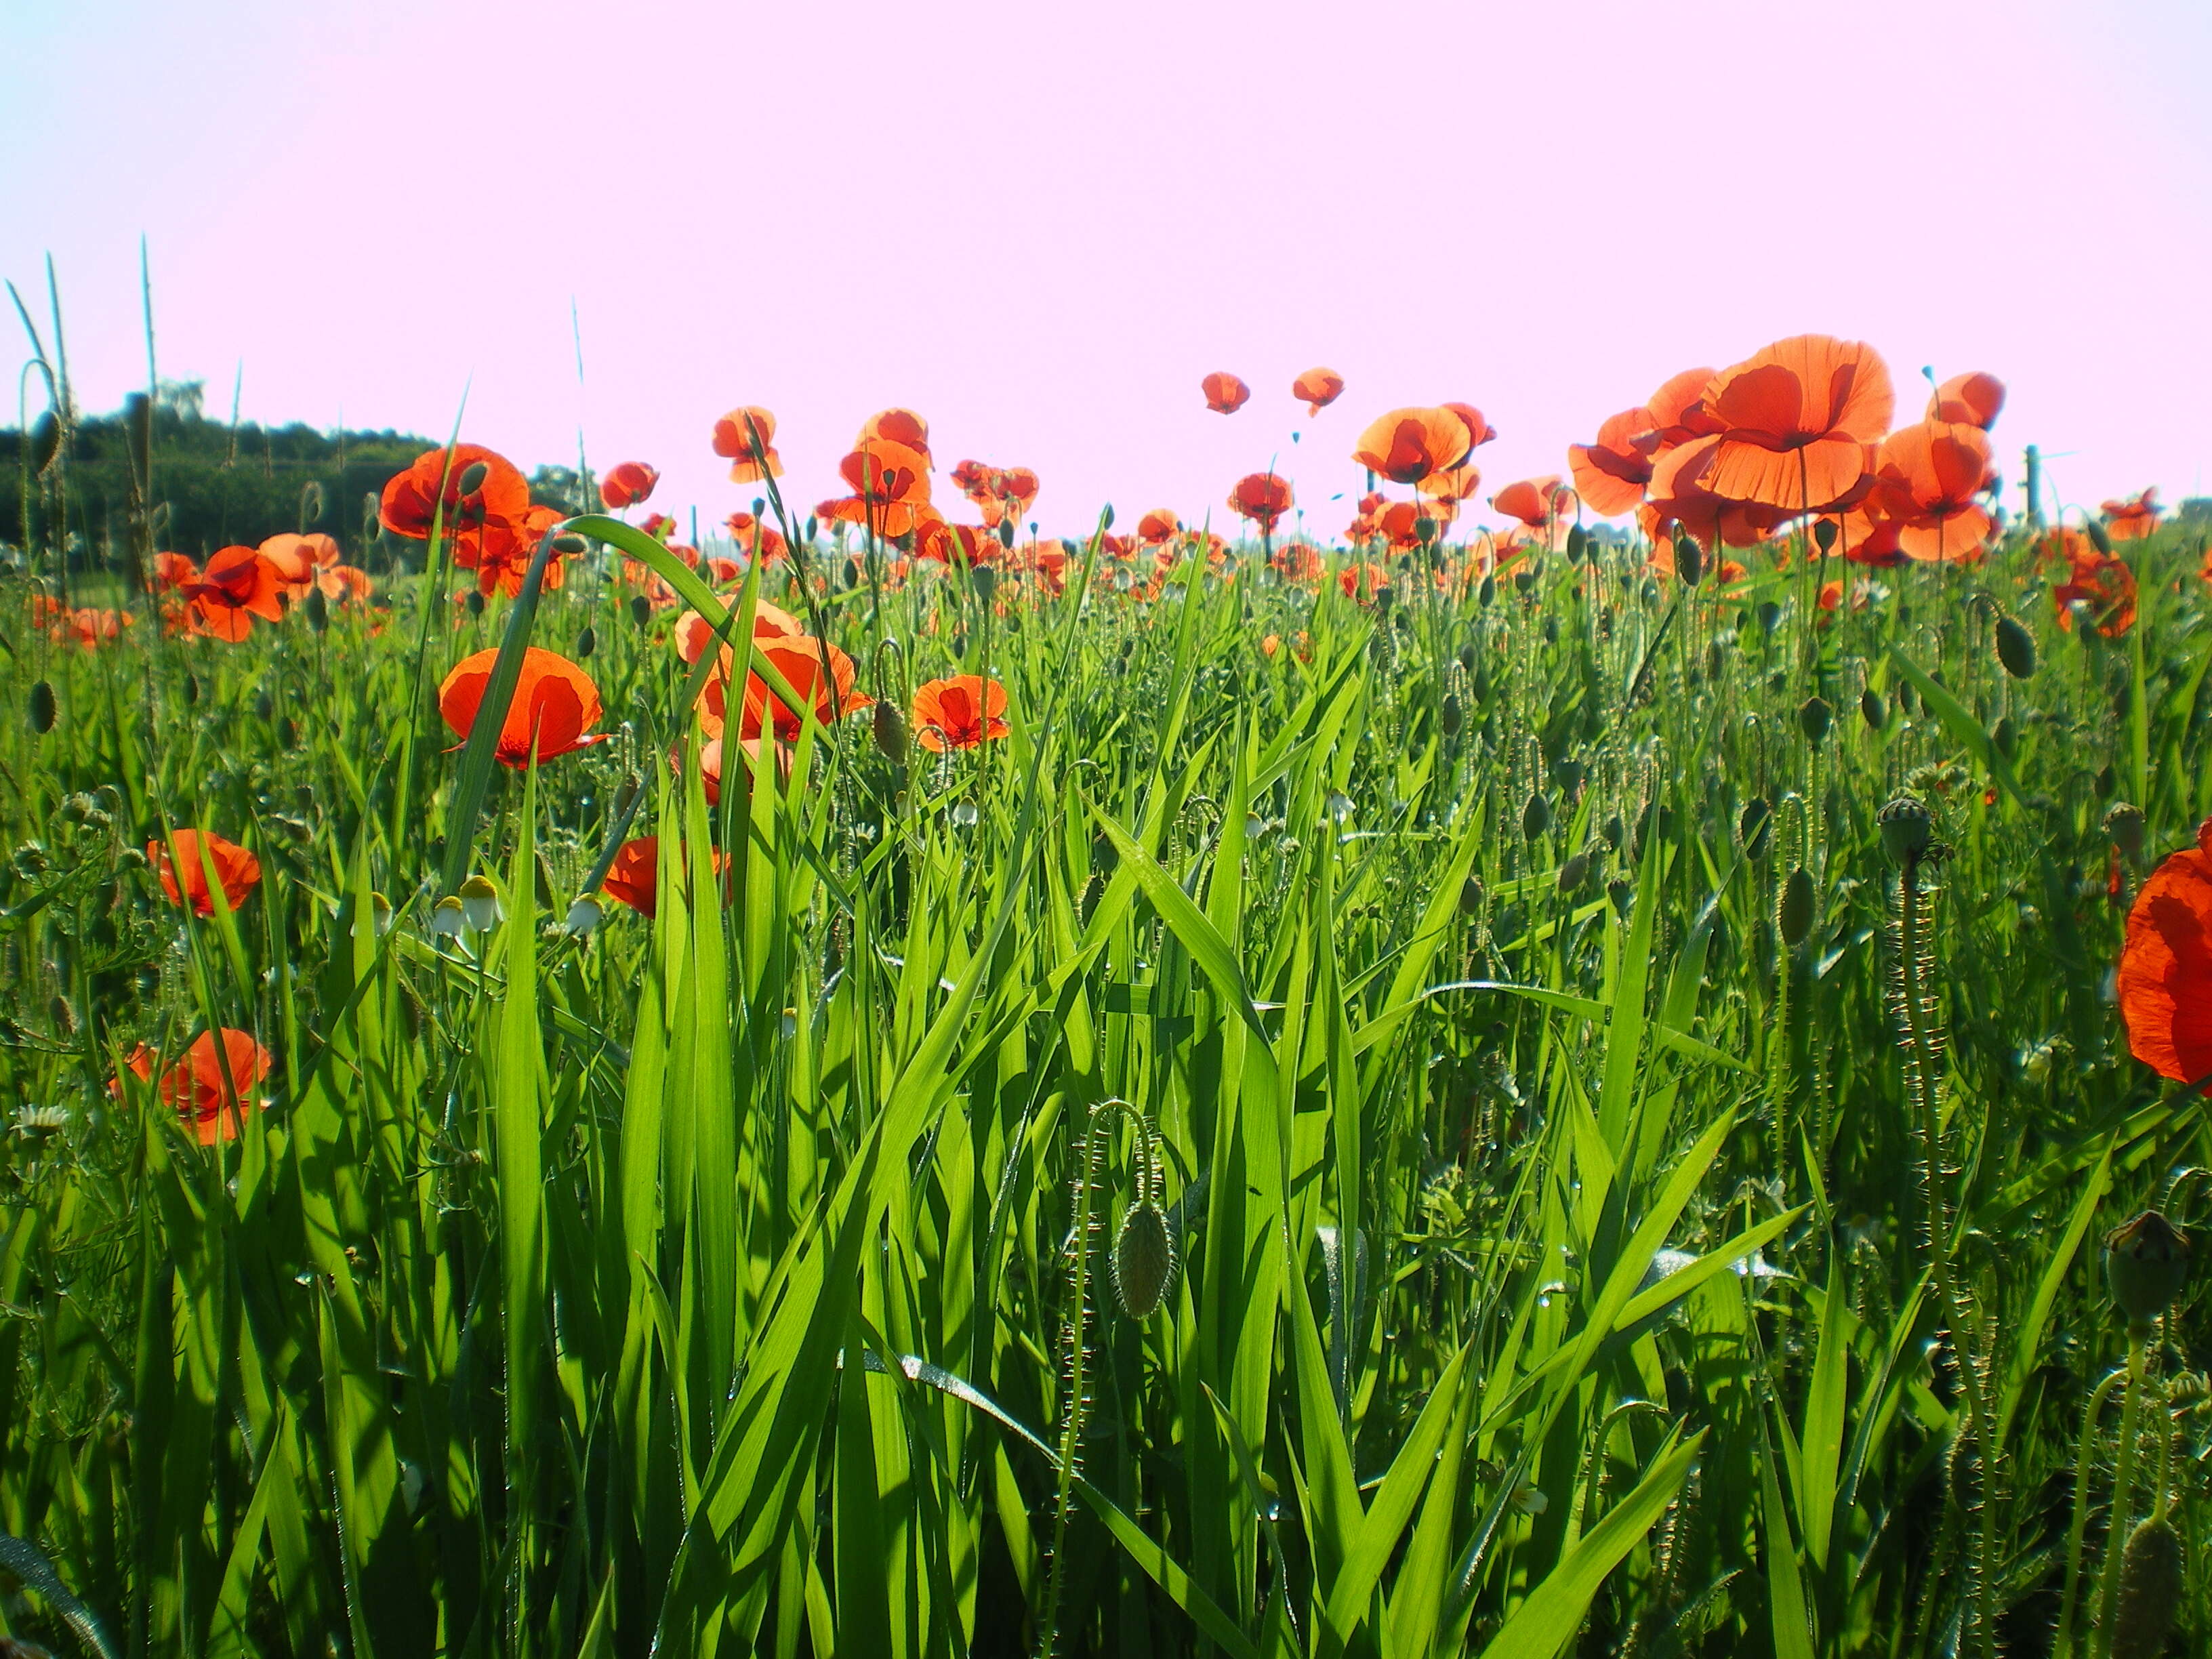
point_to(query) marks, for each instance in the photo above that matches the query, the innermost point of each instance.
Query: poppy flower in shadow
(172, 571)
(1610, 472)
(1225, 393)
(820, 676)
(1974, 399)
(746, 437)
(1158, 525)
(553, 706)
(212, 1083)
(237, 586)
(1318, 388)
(412, 500)
(1794, 420)
(964, 712)
(1680, 497)
(626, 484)
(504, 547)
(1928, 478)
(1406, 445)
(2165, 982)
(1535, 502)
(183, 867)
(1448, 489)
(2104, 588)
(1262, 497)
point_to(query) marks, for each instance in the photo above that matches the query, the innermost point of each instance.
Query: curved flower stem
(2124, 1481)
(2062, 1647)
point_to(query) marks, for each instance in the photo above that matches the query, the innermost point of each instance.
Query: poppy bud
(2098, 537)
(2124, 822)
(1470, 898)
(1824, 535)
(2005, 736)
(1467, 657)
(1144, 1260)
(1578, 542)
(287, 732)
(2016, 648)
(1814, 719)
(1574, 872)
(319, 609)
(472, 477)
(1536, 816)
(2146, 1264)
(890, 732)
(1622, 892)
(1751, 825)
(1524, 580)
(812, 526)
(1425, 529)
(44, 710)
(1871, 709)
(1487, 592)
(1907, 830)
(641, 610)
(1551, 630)
(192, 688)
(2151, 1587)
(1450, 718)
(1770, 615)
(1106, 516)
(1688, 560)
(569, 545)
(1794, 916)
(586, 642)
(1006, 533)
(265, 706)
(46, 442)
(474, 604)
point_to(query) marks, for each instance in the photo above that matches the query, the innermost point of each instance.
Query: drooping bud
(1536, 816)
(890, 732)
(1751, 825)
(1470, 898)
(1574, 872)
(1794, 914)
(1907, 830)
(319, 609)
(569, 545)
(1449, 719)
(44, 709)
(1689, 560)
(1144, 1260)
(2146, 1264)
(1871, 709)
(2098, 537)
(2152, 1590)
(2015, 647)
(587, 641)
(2005, 736)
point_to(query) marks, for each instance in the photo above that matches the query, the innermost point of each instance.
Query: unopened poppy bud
(1578, 542)
(1824, 536)
(1622, 893)
(1449, 717)
(1688, 560)
(480, 905)
(2098, 537)
(1907, 830)
(447, 919)
(813, 525)
(1770, 615)
(1424, 528)
(1467, 656)
(986, 581)
(44, 710)
(319, 609)
(287, 732)
(2152, 1588)
(2146, 1264)
(1524, 580)
(62, 1016)
(1106, 516)
(2015, 647)
(1871, 710)
(760, 507)
(1536, 816)
(46, 442)
(585, 916)
(1144, 1260)
(2005, 736)
(2124, 822)
(1814, 719)
(1487, 592)
(1574, 872)
(641, 610)
(472, 477)
(265, 706)
(191, 690)
(474, 604)
(1794, 914)
(1751, 825)
(890, 732)
(586, 642)
(569, 545)
(1006, 533)
(1470, 898)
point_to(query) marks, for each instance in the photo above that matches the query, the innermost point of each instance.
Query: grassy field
(1509, 1104)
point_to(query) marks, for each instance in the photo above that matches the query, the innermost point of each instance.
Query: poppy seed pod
(587, 641)
(641, 610)
(473, 476)
(2146, 1264)
(44, 710)
(2015, 647)
(890, 732)
(2151, 1590)
(1907, 830)
(1814, 719)
(1793, 914)
(2124, 822)
(1824, 536)
(1536, 816)
(1144, 1260)
(1871, 709)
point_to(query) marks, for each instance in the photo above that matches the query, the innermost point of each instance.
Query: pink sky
(1041, 224)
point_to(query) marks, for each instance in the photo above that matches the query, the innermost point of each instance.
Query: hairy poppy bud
(1751, 825)
(641, 610)
(1574, 872)
(472, 477)
(569, 545)
(46, 442)
(1622, 892)
(2124, 822)
(1488, 591)
(474, 602)
(2146, 1264)
(1824, 536)
(1770, 615)
(2005, 736)
(1578, 542)
(2015, 647)
(890, 732)
(2151, 1590)
(1688, 560)
(1524, 580)
(1907, 830)
(287, 732)
(1536, 816)
(1467, 656)
(44, 710)
(1871, 709)
(1470, 896)
(1144, 1260)
(1449, 717)
(587, 642)
(1794, 914)
(319, 609)
(1814, 719)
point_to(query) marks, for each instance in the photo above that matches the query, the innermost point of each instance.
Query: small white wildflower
(480, 905)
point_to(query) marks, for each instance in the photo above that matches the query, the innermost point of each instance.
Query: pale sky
(1041, 224)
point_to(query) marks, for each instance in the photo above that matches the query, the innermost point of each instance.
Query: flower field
(1631, 1083)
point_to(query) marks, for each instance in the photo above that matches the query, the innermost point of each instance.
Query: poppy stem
(2124, 1483)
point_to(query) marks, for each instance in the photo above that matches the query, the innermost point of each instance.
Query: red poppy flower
(1479, 430)
(1001, 493)
(1927, 477)
(237, 586)
(183, 875)
(1158, 525)
(340, 582)
(2132, 520)
(626, 484)
(1400, 522)
(1299, 562)
(901, 426)
(2166, 967)
(1973, 399)
(553, 706)
(889, 482)
(411, 499)
(1261, 497)
(1446, 490)
(2105, 586)
(1359, 582)
(90, 626)
(295, 560)
(504, 547)
(1225, 393)
(962, 544)
(218, 1069)
(964, 712)
(1679, 494)
(1611, 472)
(1318, 387)
(1678, 409)
(746, 437)
(1795, 419)
(1406, 445)
(800, 660)
(1535, 502)
(172, 571)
